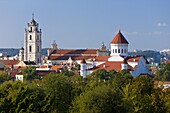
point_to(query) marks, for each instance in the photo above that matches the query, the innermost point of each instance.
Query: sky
(79, 24)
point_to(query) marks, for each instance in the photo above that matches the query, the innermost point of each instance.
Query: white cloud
(161, 24)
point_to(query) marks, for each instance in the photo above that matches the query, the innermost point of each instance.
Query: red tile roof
(109, 66)
(114, 65)
(9, 63)
(44, 66)
(55, 68)
(100, 58)
(119, 39)
(78, 54)
(133, 59)
(77, 51)
(67, 57)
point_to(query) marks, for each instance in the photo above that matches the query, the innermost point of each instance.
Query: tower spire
(119, 28)
(32, 16)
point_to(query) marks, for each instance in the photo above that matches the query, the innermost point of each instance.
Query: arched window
(30, 37)
(115, 50)
(30, 28)
(30, 48)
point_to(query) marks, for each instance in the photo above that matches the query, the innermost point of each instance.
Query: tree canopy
(101, 92)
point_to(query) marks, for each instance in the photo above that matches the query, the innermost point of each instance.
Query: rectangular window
(122, 50)
(115, 50)
(30, 49)
(38, 60)
(118, 50)
(38, 49)
(125, 50)
(30, 37)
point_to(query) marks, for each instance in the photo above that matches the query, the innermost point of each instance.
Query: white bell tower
(32, 42)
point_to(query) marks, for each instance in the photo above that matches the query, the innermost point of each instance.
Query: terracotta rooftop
(100, 58)
(55, 68)
(110, 66)
(119, 39)
(76, 51)
(67, 57)
(9, 63)
(133, 59)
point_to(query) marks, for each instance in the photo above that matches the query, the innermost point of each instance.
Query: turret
(53, 47)
(119, 45)
(124, 65)
(83, 67)
(21, 54)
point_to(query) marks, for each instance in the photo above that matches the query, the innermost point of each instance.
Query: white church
(118, 60)
(32, 43)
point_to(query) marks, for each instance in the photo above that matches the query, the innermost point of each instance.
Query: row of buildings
(90, 60)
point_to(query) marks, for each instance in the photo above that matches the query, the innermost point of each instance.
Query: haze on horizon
(88, 23)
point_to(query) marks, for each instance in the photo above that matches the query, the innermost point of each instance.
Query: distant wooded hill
(13, 51)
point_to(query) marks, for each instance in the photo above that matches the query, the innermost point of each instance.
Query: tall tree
(29, 73)
(58, 93)
(102, 99)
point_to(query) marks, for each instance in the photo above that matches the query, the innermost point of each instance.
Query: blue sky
(87, 23)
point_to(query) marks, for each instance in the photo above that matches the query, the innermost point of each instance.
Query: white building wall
(83, 71)
(115, 58)
(19, 77)
(119, 49)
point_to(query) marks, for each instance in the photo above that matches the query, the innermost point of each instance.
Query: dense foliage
(164, 72)
(101, 92)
